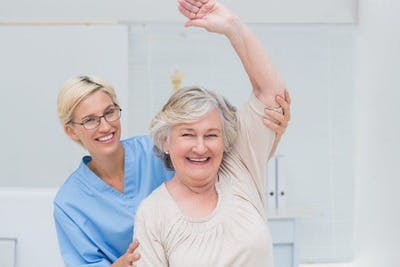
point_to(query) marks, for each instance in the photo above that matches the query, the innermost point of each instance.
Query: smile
(198, 159)
(106, 138)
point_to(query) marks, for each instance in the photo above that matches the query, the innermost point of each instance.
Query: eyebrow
(208, 130)
(94, 115)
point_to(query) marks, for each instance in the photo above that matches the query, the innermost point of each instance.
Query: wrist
(234, 27)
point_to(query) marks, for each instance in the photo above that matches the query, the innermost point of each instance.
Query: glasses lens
(91, 123)
(113, 114)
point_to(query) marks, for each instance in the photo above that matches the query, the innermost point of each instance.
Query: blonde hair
(188, 105)
(75, 90)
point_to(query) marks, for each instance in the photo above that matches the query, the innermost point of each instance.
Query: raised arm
(214, 17)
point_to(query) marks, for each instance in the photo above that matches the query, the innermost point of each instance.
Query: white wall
(315, 11)
(377, 216)
(35, 62)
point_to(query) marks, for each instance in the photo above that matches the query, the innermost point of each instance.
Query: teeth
(199, 160)
(106, 138)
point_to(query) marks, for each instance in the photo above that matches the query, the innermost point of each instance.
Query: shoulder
(140, 142)
(155, 202)
(157, 208)
(74, 189)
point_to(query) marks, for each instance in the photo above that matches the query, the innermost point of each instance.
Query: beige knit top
(236, 232)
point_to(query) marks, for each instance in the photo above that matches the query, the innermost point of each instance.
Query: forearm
(214, 17)
(263, 75)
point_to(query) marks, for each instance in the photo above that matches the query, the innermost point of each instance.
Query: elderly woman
(211, 213)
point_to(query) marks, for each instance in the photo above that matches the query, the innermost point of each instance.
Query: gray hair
(188, 105)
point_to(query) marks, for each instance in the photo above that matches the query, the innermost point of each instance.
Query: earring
(166, 152)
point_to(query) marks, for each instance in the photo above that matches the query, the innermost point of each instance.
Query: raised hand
(207, 14)
(195, 9)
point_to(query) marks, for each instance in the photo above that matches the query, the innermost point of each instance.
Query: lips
(198, 160)
(106, 138)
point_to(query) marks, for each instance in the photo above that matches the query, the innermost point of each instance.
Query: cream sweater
(236, 232)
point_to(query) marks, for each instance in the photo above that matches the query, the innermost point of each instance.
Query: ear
(165, 145)
(70, 131)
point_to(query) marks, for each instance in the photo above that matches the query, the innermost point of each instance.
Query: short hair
(188, 105)
(75, 90)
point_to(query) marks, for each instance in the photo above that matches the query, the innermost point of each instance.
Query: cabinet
(7, 252)
(283, 232)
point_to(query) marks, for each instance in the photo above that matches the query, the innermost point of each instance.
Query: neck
(197, 189)
(110, 168)
(193, 201)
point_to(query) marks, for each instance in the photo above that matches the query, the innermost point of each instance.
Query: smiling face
(196, 149)
(103, 140)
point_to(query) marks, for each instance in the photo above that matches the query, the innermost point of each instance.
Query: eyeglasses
(93, 122)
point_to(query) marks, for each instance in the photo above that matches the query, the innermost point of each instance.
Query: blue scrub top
(94, 221)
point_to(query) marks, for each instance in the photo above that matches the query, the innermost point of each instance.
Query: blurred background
(339, 58)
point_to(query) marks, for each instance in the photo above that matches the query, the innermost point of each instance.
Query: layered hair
(188, 105)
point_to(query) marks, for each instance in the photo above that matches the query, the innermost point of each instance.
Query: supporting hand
(129, 258)
(281, 121)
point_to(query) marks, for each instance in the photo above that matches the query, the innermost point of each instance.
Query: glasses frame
(98, 119)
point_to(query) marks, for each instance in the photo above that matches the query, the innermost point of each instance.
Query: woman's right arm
(76, 248)
(146, 231)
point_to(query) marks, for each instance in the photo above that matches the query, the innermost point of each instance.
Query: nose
(104, 125)
(200, 147)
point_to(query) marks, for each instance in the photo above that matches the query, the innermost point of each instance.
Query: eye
(187, 135)
(211, 135)
(89, 120)
(109, 112)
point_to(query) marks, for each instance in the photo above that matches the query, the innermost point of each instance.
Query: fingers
(275, 120)
(285, 104)
(192, 8)
(132, 247)
(279, 130)
(195, 9)
(135, 257)
(189, 6)
(195, 2)
(186, 12)
(206, 8)
(277, 117)
(130, 256)
(287, 97)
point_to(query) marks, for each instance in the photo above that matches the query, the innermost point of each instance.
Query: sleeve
(150, 248)
(76, 249)
(254, 141)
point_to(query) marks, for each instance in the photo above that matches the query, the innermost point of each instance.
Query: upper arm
(254, 141)
(150, 248)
